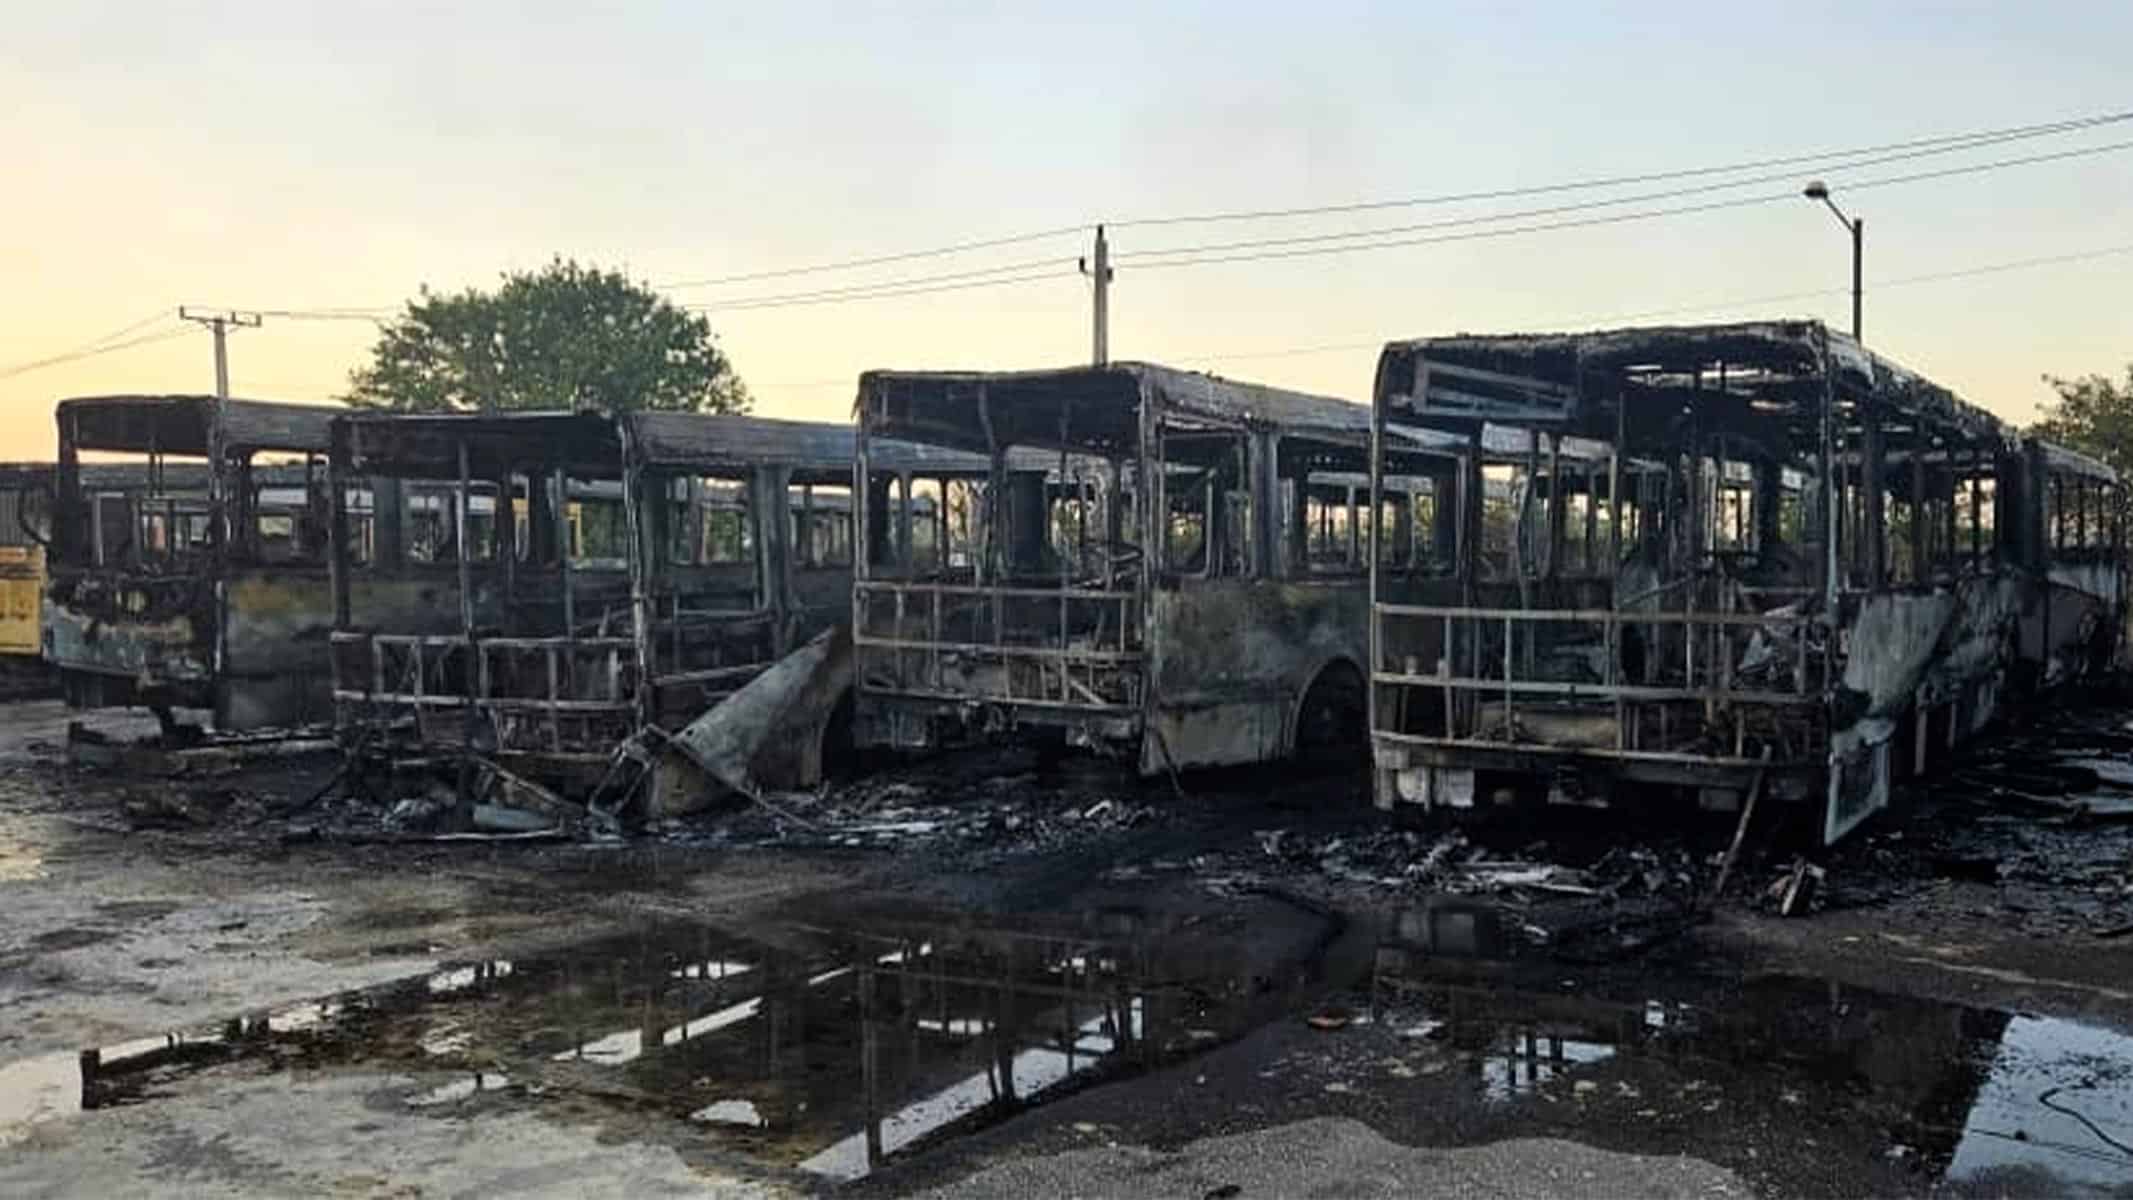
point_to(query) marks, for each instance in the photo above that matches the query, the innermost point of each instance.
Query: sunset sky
(303, 156)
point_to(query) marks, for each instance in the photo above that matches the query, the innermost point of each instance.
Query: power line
(1955, 141)
(92, 352)
(879, 259)
(858, 289)
(1319, 244)
(1892, 151)
(744, 306)
(1579, 206)
(1981, 137)
(327, 314)
(131, 327)
(1619, 218)
(1358, 240)
(1713, 305)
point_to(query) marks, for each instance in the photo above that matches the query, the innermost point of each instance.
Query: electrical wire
(1194, 255)
(1618, 218)
(745, 306)
(1523, 214)
(327, 314)
(1385, 238)
(89, 352)
(879, 259)
(159, 314)
(1712, 305)
(1312, 245)
(2045, 1098)
(1981, 137)
(1947, 143)
(91, 345)
(861, 288)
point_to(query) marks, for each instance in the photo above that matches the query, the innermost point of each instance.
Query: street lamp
(1818, 190)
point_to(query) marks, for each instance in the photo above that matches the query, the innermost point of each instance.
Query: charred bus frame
(1803, 568)
(205, 586)
(27, 493)
(1155, 570)
(641, 578)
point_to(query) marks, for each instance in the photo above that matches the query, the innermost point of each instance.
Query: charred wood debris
(2032, 828)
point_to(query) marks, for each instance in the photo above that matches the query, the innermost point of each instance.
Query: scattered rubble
(1450, 864)
(867, 817)
(2037, 816)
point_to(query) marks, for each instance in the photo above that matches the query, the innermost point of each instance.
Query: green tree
(2094, 415)
(563, 337)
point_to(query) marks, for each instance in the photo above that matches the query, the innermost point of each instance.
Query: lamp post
(1856, 226)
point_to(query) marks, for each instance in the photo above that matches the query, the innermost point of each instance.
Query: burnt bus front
(1694, 564)
(201, 581)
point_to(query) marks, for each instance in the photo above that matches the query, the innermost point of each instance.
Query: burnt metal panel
(1783, 352)
(1096, 406)
(590, 444)
(180, 424)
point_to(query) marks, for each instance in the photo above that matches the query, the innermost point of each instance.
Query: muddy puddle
(826, 1049)
(797, 1047)
(1946, 1098)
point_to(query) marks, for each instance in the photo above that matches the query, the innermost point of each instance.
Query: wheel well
(835, 746)
(1339, 671)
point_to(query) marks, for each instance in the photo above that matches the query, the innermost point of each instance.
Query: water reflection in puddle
(1974, 1097)
(460, 1089)
(19, 860)
(731, 1112)
(823, 1051)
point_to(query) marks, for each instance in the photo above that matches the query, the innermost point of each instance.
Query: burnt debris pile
(2034, 828)
(1449, 863)
(980, 801)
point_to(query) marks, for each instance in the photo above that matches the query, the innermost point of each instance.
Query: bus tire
(1329, 719)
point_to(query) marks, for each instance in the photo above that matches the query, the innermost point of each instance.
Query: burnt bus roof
(2068, 461)
(174, 478)
(125, 476)
(1096, 407)
(590, 444)
(178, 424)
(1542, 378)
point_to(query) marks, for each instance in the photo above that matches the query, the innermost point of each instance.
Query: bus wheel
(1329, 721)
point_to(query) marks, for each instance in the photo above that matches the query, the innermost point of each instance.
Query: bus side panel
(158, 637)
(276, 669)
(1230, 659)
(2077, 604)
(274, 650)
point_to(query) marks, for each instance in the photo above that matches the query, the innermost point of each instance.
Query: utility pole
(218, 523)
(1098, 268)
(219, 324)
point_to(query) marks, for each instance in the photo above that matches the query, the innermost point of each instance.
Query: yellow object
(21, 594)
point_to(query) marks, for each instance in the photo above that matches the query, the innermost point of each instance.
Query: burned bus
(1160, 565)
(201, 580)
(1707, 560)
(541, 586)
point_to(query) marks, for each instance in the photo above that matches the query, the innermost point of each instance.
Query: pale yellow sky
(301, 157)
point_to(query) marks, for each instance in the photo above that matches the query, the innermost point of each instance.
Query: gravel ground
(1335, 1157)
